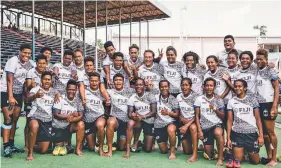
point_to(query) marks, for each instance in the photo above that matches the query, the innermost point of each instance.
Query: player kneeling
(242, 124)
(67, 120)
(145, 106)
(40, 116)
(94, 113)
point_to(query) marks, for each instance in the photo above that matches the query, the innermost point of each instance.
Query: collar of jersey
(209, 99)
(141, 96)
(132, 62)
(93, 90)
(150, 67)
(191, 92)
(119, 91)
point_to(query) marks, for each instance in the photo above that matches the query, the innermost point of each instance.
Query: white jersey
(249, 75)
(220, 83)
(171, 104)
(119, 102)
(243, 109)
(63, 77)
(137, 63)
(265, 89)
(94, 105)
(208, 118)
(14, 66)
(41, 108)
(32, 74)
(142, 104)
(186, 104)
(108, 61)
(154, 74)
(172, 73)
(114, 71)
(222, 55)
(66, 106)
(197, 77)
(79, 69)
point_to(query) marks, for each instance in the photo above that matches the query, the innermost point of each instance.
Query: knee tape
(7, 126)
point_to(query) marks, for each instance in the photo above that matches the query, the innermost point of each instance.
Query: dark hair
(248, 53)
(164, 80)
(118, 54)
(78, 50)
(188, 80)
(134, 46)
(71, 82)
(171, 48)
(242, 81)
(234, 52)
(25, 46)
(193, 54)
(263, 52)
(118, 75)
(46, 49)
(89, 58)
(40, 57)
(149, 51)
(138, 78)
(108, 44)
(210, 79)
(68, 52)
(94, 74)
(214, 57)
(229, 36)
(46, 73)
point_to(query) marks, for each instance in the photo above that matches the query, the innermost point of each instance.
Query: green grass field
(142, 159)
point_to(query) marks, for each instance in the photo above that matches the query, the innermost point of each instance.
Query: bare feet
(101, 153)
(153, 147)
(127, 155)
(172, 156)
(108, 154)
(193, 158)
(272, 163)
(79, 152)
(219, 163)
(29, 157)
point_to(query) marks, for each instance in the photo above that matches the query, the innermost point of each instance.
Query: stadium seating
(11, 40)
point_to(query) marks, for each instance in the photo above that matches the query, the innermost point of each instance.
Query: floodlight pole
(106, 19)
(33, 34)
(120, 29)
(130, 29)
(84, 30)
(61, 29)
(147, 38)
(96, 36)
(140, 35)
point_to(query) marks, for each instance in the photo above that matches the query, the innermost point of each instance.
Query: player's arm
(229, 123)
(174, 113)
(273, 111)
(33, 94)
(186, 122)
(197, 121)
(226, 91)
(258, 121)
(104, 92)
(153, 110)
(10, 79)
(78, 118)
(220, 112)
(130, 111)
(81, 88)
(127, 69)
(57, 114)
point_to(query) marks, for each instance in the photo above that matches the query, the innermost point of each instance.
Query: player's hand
(271, 65)
(183, 129)
(33, 83)
(57, 98)
(83, 101)
(160, 53)
(218, 96)
(39, 94)
(110, 84)
(69, 118)
(12, 101)
(101, 53)
(132, 77)
(273, 113)
(107, 102)
(229, 144)
(200, 135)
(260, 141)
(225, 77)
(164, 112)
(202, 66)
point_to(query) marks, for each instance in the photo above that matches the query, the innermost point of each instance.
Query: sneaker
(16, 149)
(69, 149)
(230, 163)
(236, 163)
(63, 151)
(56, 151)
(8, 152)
(264, 160)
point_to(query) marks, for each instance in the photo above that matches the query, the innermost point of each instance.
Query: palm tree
(262, 29)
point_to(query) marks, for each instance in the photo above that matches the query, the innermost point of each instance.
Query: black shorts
(44, 133)
(148, 129)
(209, 135)
(61, 134)
(186, 136)
(161, 134)
(246, 141)
(265, 109)
(4, 99)
(90, 127)
(121, 129)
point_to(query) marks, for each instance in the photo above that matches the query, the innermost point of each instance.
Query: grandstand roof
(73, 11)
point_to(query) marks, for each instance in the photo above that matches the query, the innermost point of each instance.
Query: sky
(208, 18)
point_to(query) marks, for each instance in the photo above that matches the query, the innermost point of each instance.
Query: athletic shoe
(69, 149)
(264, 160)
(16, 149)
(8, 152)
(236, 163)
(63, 151)
(230, 163)
(56, 151)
